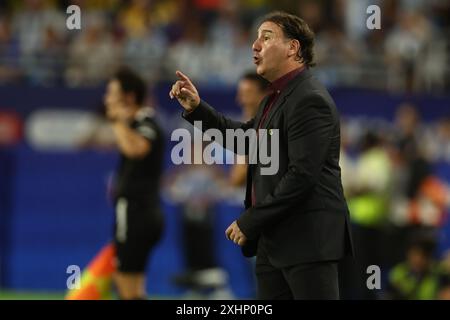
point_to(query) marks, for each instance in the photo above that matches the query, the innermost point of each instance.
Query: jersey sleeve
(146, 128)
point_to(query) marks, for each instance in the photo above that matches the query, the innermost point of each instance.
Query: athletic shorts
(138, 228)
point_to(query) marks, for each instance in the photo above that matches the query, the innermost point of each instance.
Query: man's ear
(294, 48)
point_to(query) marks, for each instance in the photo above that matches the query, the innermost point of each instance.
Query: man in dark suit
(296, 221)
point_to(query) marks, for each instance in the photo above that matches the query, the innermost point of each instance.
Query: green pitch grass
(17, 295)
(36, 295)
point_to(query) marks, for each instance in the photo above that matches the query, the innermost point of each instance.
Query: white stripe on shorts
(121, 220)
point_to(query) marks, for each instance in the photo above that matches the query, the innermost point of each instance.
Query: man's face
(270, 51)
(114, 96)
(118, 104)
(249, 95)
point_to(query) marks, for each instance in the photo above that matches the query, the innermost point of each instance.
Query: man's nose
(256, 46)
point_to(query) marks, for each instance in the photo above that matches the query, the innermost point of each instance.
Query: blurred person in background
(191, 52)
(437, 141)
(368, 200)
(409, 52)
(405, 47)
(419, 198)
(135, 17)
(229, 40)
(9, 53)
(40, 31)
(196, 189)
(145, 42)
(93, 55)
(139, 221)
(252, 88)
(417, 278)
(337, 56)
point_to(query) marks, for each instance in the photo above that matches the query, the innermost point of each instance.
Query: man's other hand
(235, 234)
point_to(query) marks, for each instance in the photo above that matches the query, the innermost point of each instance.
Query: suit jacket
(300, 214)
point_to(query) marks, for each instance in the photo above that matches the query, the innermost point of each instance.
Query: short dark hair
(131, 82)
(295, 28)
(262, 83)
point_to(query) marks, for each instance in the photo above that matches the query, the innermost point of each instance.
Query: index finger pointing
(182, 76)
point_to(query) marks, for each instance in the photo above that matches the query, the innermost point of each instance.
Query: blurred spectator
(9, 53)
(336, 57)
(143, 51)
(417, 278)
(145, 41)
(211, 40)
(191, 54)
(312, 12)
(135, 18)
(345, 161)
(252, 89)
(196, 189)
(438, 141)
(39, 29)
(91, 4)
(419, 198)
(368, 196)
(93, 55)
(409, 149)
(405, 47)
(370, 188)
(231, 46)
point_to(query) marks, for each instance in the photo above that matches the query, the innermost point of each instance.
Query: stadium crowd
(211, 41)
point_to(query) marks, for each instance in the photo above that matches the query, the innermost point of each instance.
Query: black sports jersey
(139, 178)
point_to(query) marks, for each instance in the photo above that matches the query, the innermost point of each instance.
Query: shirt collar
(282, 82)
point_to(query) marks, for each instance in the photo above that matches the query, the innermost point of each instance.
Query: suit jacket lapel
(250, 168)
(284, 95)
(260, 112)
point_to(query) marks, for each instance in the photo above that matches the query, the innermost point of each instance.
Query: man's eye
(266, 38)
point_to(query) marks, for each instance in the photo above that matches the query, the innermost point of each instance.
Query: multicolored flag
(96, 279)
